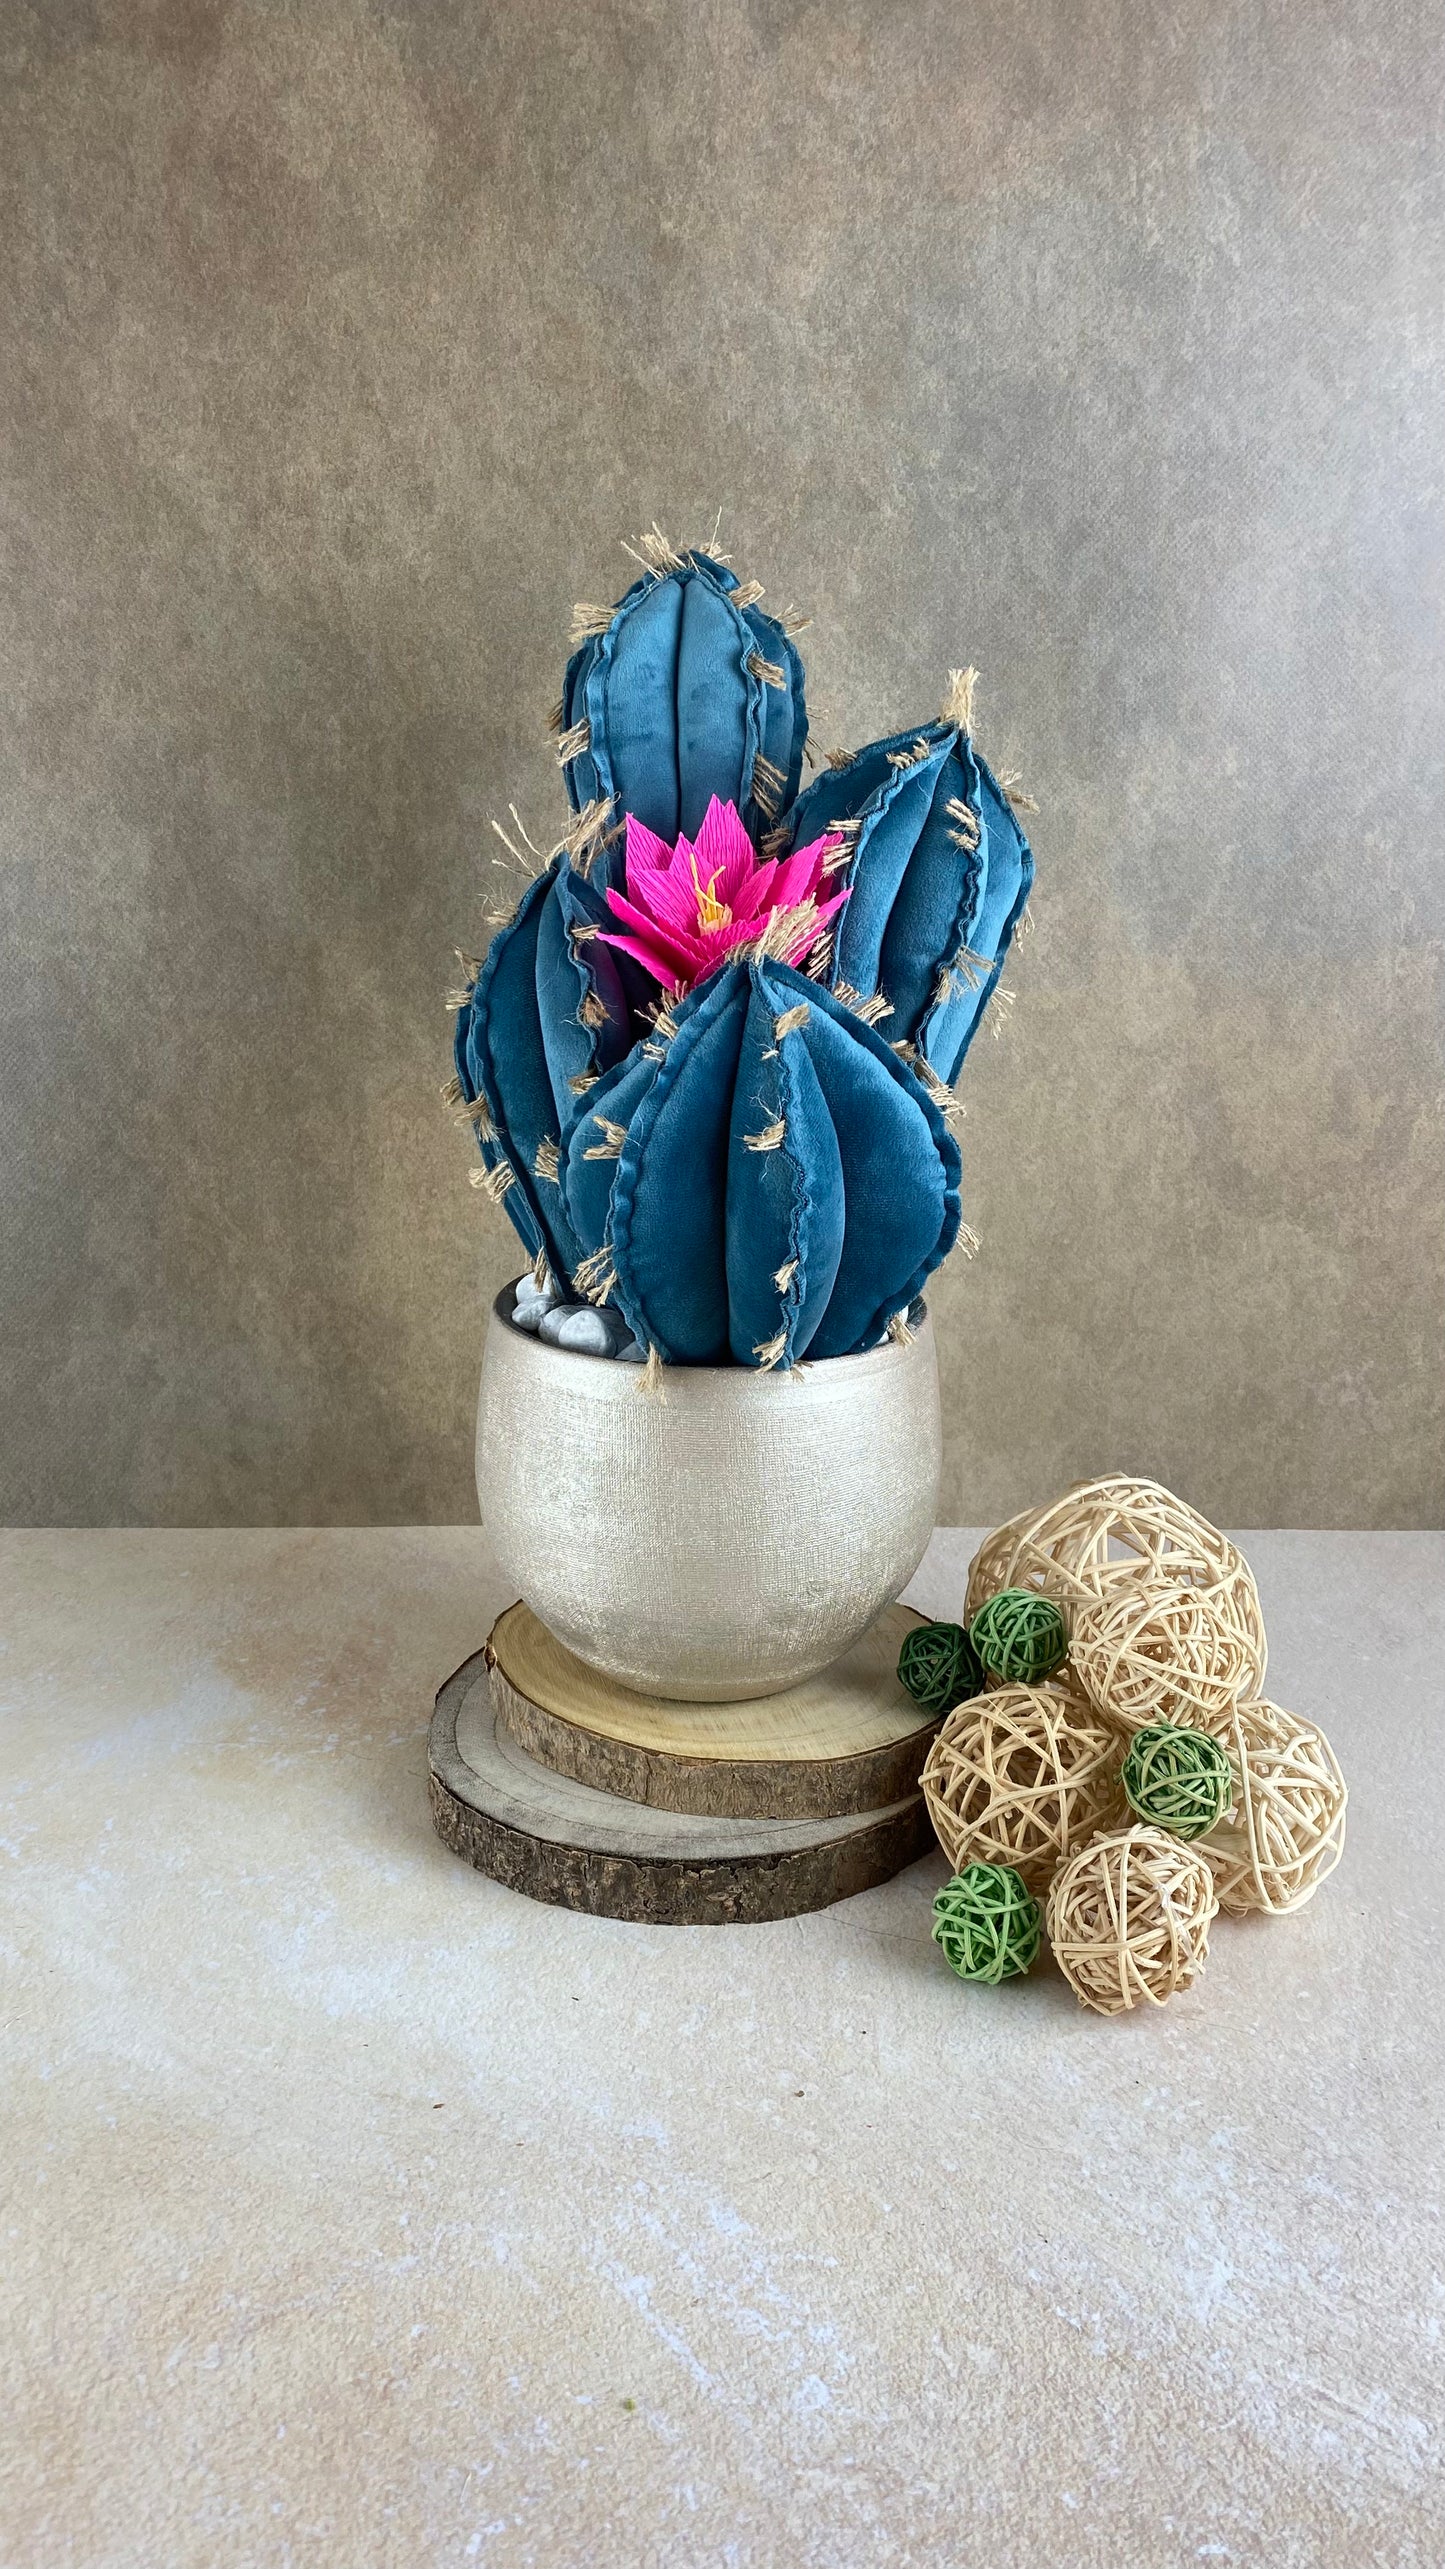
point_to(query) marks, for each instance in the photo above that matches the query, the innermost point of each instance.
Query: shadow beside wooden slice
(845, 1742)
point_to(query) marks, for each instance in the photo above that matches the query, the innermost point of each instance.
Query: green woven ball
(987, 1921)
(939, 1666)
(1180, 1779)
(1019, 1636)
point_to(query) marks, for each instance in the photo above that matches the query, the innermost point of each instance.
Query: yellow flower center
(711, 913)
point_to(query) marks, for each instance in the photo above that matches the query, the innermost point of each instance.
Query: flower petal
(725, 850)
(683, 946)
(819, 849)
(634, 916)
(757, 895)
(644, 847)
(663, 967)
(667, 894)
(797, 877)
(674, 896)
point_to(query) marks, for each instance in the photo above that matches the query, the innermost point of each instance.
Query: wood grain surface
(563, 1841)
(848, 1741)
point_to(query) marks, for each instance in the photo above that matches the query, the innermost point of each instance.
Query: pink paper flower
(687, 908)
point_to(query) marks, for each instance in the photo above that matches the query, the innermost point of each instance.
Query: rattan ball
(988, 1923)
(1177, 1779)
(1020, 1776)
(1165, 1653)
(1109, 1533)
(1287, 1828)
(1020, 1636)
(939, 1666)
(1128, 1919)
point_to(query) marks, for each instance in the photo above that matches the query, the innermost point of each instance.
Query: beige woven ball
(1165, 1653)
(1111, 1533)
(1286, 1830)
(1019, 1776)
(1128, 1919)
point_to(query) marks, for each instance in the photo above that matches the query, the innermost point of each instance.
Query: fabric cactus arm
(682, 696)
(502, 1060)
(939, 875)
(782, 1184)
(1007, 875)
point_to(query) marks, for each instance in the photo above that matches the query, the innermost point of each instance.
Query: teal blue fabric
(562, 984)
(676, 713)
(929, 918)
(587, 1181)
(521, 1041)
(721, 1247)
(893, 806)
(901, 1178)
(786, 1208)
(669, 1201)
(784, 709)
(501, 1057)
(1007, 878)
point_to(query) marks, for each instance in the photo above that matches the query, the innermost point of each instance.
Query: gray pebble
(543, 1312)
(531, 1302)
(528, 1291)
(553, 1317)
(586, 1333)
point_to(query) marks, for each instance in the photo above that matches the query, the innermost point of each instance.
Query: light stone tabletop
(359, 2212)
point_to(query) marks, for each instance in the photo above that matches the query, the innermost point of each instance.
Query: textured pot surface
(723, 1540)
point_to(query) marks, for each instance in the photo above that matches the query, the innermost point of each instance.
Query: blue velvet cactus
(682, 691)
(710, 1057)
(940, 872)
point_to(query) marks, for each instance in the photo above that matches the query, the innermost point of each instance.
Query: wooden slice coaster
(850, 1740)
(558, 1840)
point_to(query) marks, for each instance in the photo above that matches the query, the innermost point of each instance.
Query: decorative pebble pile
(1114, 1758)
(589, 1329)
(544, 1312)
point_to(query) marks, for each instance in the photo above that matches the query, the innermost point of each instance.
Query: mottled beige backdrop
(339, 346)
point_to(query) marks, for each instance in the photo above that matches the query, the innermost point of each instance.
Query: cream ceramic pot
(724, 1539)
